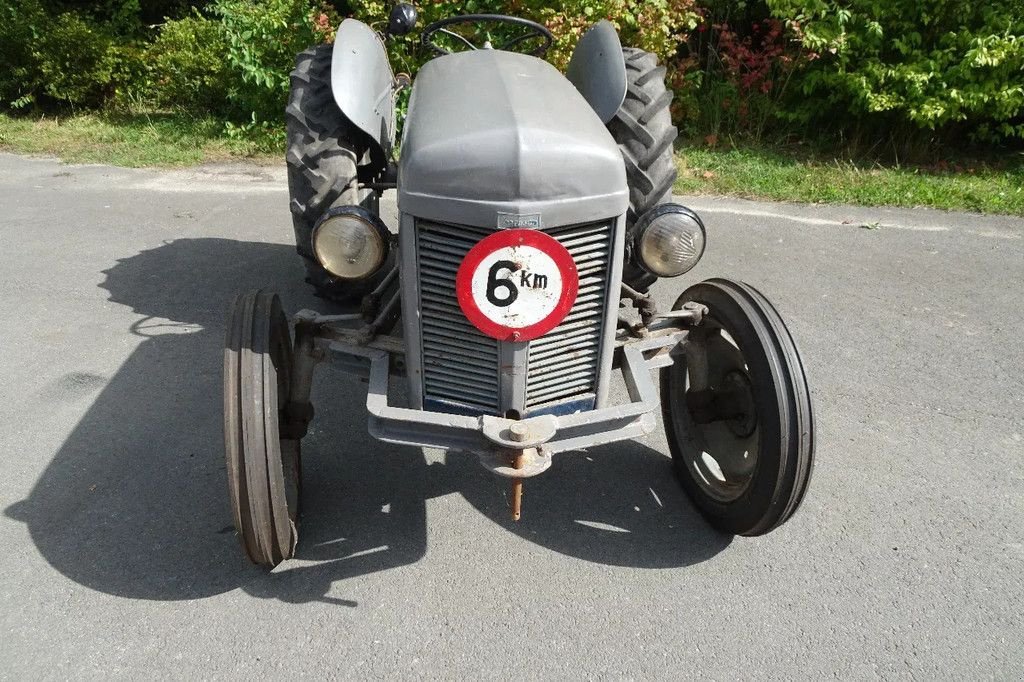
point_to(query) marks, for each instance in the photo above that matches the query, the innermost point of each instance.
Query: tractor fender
(598, 70)
(363, 85)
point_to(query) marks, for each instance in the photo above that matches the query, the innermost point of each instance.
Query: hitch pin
(517, 489)
(520, 433)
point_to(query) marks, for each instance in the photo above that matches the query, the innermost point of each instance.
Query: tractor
(535, 214)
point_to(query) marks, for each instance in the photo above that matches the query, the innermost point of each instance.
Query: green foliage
(70, 58)
(910, 71)
(738, 67)
(21, 23)
(912, 65)
(75, 61)
(262, 39)
(188, 68)
(657, 27)
(130, 75)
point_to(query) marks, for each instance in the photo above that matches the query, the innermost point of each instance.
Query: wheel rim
(726, 452)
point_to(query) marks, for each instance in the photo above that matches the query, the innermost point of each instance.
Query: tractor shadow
(617, 504)
(135, 504)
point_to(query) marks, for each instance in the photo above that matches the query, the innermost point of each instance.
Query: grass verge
(781, 174)
(988, 186)
(133, 140)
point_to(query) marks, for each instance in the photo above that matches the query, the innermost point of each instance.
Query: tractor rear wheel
(643, 129)
(322, 155)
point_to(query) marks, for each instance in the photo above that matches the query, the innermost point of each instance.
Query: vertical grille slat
(460, 364)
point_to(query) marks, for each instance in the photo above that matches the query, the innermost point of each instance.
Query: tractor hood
(491, 132)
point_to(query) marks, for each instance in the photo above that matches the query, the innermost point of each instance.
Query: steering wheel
(536, 31)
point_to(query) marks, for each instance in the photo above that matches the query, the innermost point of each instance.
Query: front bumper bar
(488, 435)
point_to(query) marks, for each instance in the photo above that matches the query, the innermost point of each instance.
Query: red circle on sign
(505, 239)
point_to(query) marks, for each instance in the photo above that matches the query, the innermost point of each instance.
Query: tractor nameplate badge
(517, 284)
(510, 220)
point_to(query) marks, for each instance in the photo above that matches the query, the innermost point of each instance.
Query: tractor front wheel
(737, 412)
(263, 457)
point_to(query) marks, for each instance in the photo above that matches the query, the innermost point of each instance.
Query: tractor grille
(460, 364)
(564, 362)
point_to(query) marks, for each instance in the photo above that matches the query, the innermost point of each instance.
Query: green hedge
(928, 65)
(922, 69)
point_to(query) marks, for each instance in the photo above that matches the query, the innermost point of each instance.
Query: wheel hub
(739, 399)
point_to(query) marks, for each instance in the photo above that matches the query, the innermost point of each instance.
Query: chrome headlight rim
(647, 220)
(377, 228)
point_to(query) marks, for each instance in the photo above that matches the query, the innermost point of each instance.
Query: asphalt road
(118, 557)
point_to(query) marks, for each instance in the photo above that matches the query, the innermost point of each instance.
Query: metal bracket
(521, 434)
(691, 314)
(534, 461)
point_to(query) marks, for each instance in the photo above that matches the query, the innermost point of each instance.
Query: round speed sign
(516, 285)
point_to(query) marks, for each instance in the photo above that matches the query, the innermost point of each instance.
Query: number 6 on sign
(516, 285)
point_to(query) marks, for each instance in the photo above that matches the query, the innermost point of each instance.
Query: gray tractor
(535, 214)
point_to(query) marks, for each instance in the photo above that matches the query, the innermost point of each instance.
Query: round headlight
(350, 242)
(669, 240)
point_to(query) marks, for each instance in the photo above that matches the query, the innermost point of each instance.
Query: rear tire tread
(644, 132)
(321, 156)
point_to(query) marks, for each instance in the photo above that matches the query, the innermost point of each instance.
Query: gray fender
(598, 70)
(364, 85)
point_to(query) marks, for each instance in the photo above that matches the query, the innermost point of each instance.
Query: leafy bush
(188, 69)
(75, 61)
(911, 65)
(66, 59)
(21, 22)
(130, 78)
(657, 27)
(262, 40)
(654, 26)
(737, 69)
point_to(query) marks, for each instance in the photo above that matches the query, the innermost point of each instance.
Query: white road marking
(816, 221)
(832, 222)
